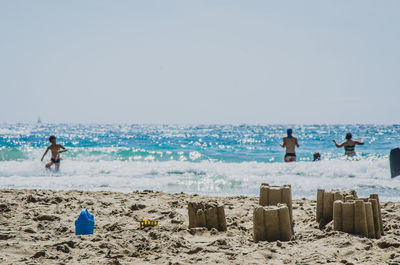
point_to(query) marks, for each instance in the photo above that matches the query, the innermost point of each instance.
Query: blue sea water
(205, 159)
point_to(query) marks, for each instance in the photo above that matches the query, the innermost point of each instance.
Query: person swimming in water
(290, 142)
(349, 145)
(316, 156)
(55, 153)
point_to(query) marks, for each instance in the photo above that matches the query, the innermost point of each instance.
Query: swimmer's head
(289, 132)
(349, 136)
(317, 156)
(52, 139)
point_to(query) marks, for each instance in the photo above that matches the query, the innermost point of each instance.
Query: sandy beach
(37, 227)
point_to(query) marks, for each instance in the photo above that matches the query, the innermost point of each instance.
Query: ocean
(220, 160)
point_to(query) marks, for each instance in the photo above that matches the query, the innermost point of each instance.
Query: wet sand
(37, 227)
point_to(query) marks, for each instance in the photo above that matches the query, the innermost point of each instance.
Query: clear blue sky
(200, 61)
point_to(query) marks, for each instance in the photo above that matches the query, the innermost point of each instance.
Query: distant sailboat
(39, 120)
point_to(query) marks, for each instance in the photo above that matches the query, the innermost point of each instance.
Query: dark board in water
(395, 162)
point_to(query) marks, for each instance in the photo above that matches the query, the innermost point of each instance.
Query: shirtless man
(290, 142)
(55, 153)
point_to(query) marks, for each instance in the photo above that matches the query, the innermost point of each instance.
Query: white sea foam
(206, 177)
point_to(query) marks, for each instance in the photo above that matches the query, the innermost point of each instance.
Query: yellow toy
(147, 222)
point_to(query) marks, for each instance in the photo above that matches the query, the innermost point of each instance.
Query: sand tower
(207, 214)
(273, 195)
(272, 223)
(325, 200)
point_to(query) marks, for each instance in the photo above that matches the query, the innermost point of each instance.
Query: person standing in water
(349, 145)
(290, 142)
(55, 153)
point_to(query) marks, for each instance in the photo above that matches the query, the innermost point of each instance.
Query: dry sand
(37, 227)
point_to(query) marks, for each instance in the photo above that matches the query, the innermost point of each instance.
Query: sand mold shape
(207, 214)
(273, 195)
(325, 200)
(271, 223)
(360, 217)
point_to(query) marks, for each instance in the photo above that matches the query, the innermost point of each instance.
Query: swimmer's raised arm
(361, 142)
(338, 145)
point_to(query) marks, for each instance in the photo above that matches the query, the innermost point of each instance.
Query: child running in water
(55, 153)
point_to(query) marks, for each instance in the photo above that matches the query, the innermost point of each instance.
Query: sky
(190, 62)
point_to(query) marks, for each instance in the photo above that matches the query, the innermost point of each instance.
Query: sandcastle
(272, 223)
(209, 215)
(376, 197)
(325, 200)
(272, 195)
(360, 217)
